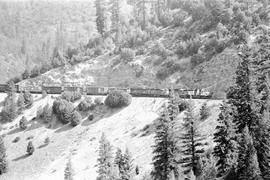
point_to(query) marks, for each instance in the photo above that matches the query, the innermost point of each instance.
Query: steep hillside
(30, 30)
(125, 128)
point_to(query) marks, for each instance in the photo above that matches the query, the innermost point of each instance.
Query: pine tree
(239, 95)
(247, 162)
(193, 145)
(3, 157)
(9, 111)
(225, 149)
(164, 160)
(118, 161)
(115, 22)
(69, 172)
(105, 160)
(20, 103)
(204, 112)
(260, 128)
(127, 166)
(28, 99)
(22, 123)
(101, 19)
(141, 12)
(30, 148)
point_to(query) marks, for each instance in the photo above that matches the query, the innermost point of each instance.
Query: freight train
(93, 90)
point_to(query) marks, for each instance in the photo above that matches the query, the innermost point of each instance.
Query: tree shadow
(42, 146)
(101, 113)
(34, 124)
(14, 131)
(66, 127)
(21, 157)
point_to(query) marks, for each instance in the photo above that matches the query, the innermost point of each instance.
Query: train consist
(92, 90)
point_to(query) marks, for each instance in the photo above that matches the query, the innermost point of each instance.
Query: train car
(147, 92)
(90, 90)
(32, 89)
(3, 87)
(53, 89)
(73, 88)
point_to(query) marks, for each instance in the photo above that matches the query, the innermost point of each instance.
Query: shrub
(159, 49)
(193, 47)
(35, 72)
(127, 54)
(204, 112)
(98, 101)
(116, 99)
(71, 96)
(211, 44)
(20, 103)
(182, 105)
(16, 139)
(85, 105)
(197, 59)
(28, 99)
(26, 74)
(75, 119)
(98, 51)
(63, 110)
(22, 123)
(162, 74)
(47, 140)
(91, 117)
(30, 148)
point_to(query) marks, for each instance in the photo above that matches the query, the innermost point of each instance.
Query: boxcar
(92, 90)
(3, 87)
(32, 89)
(73, 88)
(53, 89)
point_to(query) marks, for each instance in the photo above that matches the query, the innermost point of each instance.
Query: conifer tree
(20, 103)
(22, 123)
(101, 20)
(115, 21)
(127, 160)
(28, 98)
(105, 160)
(30, 148)
(3, 157)
(164, 160)
(247, 162)
(225, 149)
(260, 128)
(69, 172)
(193, 145)
(141, 10)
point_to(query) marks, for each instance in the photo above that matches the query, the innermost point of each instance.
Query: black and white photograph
(134, 90)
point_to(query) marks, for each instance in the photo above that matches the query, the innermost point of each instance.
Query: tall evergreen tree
(164, 160)
(105, 160)
(142, 10)
(261, 81)
(115, 22)
(101, 19)
(225, 149)
(3, 157)
(247, 162)
(128, 166)
(69, 172)
(193, 145)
